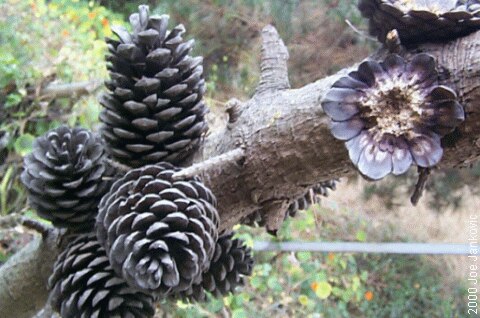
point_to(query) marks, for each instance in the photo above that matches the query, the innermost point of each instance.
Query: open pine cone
(302, 203)
(154, 111)
(83, 284)
(64, 176)
(231, 263)
(421, 20)
(392, 114)
(159, 233)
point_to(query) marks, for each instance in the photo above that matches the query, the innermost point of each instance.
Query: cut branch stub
(274, 71)
(421, 20)
(392, 114)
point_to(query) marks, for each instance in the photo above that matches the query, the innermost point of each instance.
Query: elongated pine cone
(421, 20)
(231, 263)
(311, 197)
(64, 176)
(154, 111)
(302, 203)
(159, 233)
(83, 284)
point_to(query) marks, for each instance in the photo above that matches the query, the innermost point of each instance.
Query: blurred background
(44, 44)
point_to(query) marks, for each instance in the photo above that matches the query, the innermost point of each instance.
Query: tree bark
(286, 147)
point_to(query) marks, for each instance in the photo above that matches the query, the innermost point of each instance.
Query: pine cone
(302, 203)
(63, 176)
(83, 284)
(311, 197)
(154, 111)
(231, 262)
(421, 21)
(159, 233)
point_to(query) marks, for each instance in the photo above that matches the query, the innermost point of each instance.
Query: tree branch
(67, 90)
(23, 279)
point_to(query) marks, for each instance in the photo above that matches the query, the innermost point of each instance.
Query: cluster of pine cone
(140, 235)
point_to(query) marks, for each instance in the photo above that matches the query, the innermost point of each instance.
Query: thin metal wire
(358, 247)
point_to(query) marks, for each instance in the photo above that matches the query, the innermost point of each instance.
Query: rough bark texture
(287, 147)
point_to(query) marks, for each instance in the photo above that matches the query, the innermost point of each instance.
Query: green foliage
(306, 284)
(43, 42)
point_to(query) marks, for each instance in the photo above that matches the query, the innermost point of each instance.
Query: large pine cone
(231, 263)
(421, 20)
(154, 111)
(159, 233)
(64, 176)
(302, 203)
(83, 284)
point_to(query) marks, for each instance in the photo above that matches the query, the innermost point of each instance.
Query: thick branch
(274, 72)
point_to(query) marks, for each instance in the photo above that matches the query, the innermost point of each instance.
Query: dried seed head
(392, 114)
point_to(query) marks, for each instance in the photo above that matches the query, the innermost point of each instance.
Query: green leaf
(303, 300)
(355, 283)
(364, 276)
(274, 284)
(361, 236)
(12, 100)
(215, 305)
(324, 289)
(3, 257)
(24, 144)
(304, 256)
(239, 313)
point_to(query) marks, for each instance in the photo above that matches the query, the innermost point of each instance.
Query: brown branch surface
(287, 146)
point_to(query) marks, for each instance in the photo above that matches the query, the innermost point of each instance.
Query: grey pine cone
(302, 203)
(230, 265)
(84, 285)
(154, 111)
(311, 197)
(159, 233)
(421, 20)
(64, 176)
